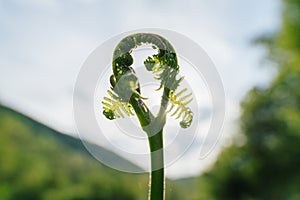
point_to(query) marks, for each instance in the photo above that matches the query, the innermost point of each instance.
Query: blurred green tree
(267, 166)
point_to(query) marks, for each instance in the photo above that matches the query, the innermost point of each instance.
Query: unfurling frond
(179, 104)
(114, 108)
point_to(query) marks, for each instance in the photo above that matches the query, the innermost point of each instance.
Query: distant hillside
(40, 163)
(37, 162)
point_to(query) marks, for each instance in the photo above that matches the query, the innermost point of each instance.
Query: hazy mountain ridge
(38, 162)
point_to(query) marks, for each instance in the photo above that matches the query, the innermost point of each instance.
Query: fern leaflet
(179, 103)
(114, 108)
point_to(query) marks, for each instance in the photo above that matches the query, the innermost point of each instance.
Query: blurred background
(255, 46)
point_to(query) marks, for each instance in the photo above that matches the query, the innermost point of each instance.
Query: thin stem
(157, 177)
(155, 138)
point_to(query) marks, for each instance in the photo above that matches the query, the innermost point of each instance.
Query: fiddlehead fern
(164, 66)
(125, 96)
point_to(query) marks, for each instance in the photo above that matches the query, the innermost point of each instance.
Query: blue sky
(44, 43)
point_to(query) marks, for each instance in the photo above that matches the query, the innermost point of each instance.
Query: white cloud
(44, 4)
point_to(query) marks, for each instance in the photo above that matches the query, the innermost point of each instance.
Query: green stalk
(157, 177)
(155, 139)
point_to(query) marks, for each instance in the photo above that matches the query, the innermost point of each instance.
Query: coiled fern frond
(164, 73)
(114, 108)
(168, 77)
(179, 103)
(125, 97)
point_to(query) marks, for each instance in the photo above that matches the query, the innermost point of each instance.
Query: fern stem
(157, 177)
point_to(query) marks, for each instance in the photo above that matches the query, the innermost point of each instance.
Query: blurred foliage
(267, 166)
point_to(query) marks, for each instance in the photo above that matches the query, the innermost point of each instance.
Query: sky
(43, 45)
